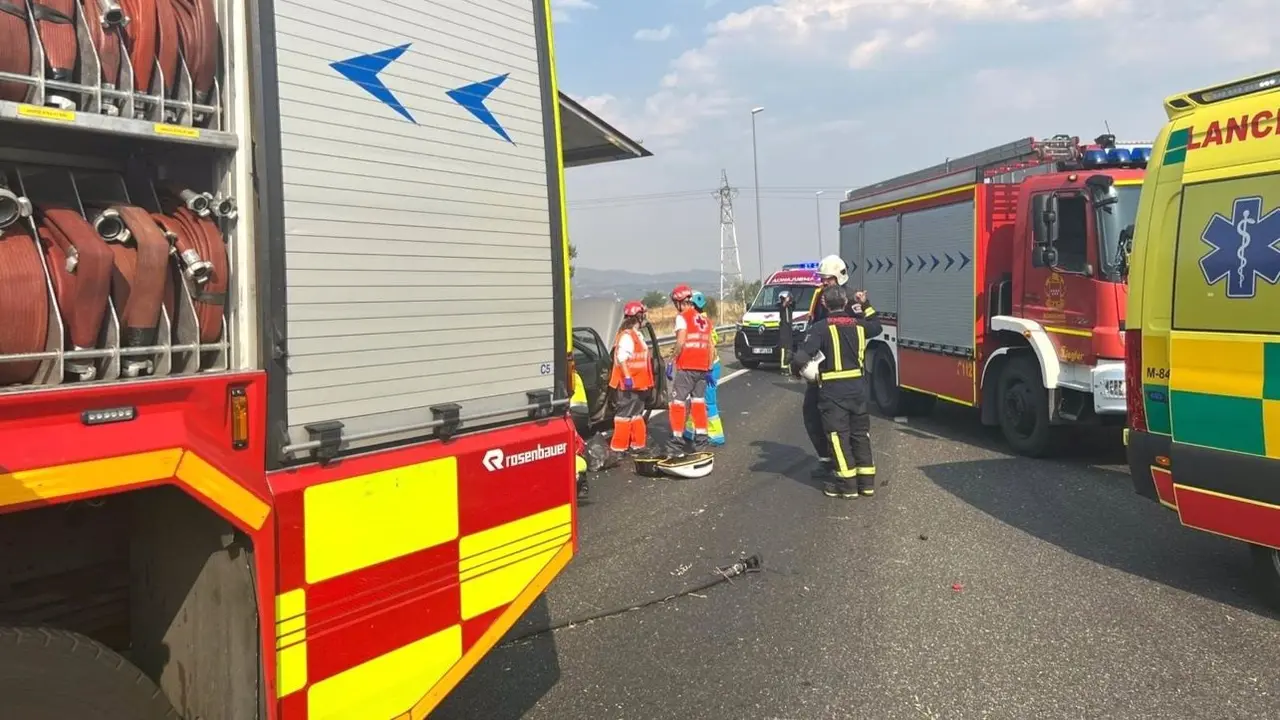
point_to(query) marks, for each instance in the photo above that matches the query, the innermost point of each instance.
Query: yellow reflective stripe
(870, 470)
(837, 362)
(842, 466)
(868, 311)
(862, 346)
(842, 375)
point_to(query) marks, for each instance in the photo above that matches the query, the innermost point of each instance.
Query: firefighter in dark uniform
(786, 334)
(834, 273)
(843, 397)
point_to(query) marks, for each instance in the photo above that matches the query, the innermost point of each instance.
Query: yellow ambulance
(1203, 322)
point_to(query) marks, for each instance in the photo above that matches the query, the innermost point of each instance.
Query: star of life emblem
(1245, 248)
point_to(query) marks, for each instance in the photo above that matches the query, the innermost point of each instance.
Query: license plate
(762, 351)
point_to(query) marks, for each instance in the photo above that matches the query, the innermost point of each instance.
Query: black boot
(824, 471)
(584, 488)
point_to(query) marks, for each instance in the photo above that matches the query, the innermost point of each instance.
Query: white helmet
(690, 467)
(833, 266)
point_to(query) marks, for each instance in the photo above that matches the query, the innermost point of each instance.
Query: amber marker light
(239, 418)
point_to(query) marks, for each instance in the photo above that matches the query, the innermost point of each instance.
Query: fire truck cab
(1001, 281)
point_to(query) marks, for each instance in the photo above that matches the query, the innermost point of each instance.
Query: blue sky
(856, 91)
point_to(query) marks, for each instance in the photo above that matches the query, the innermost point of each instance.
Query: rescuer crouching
(838, 342)
(580, 411)
(632, 380)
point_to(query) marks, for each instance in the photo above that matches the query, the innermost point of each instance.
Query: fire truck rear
(1001, 279)
(284, 353)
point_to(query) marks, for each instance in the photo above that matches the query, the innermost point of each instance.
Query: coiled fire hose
(167, 43)
(22, 292)
(15, 50)
(80, 263)
(105, 35)
(140, 38)
(198, 30)
(55, 24)
(141, 271)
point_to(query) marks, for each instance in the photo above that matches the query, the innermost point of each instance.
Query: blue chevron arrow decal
(472, 98)
(950, 261)
(363, 70)
(853, 267)
(879, 265)
(935, 263)
(921, 262)
(964, 260)
(888, 263)
(910, 265)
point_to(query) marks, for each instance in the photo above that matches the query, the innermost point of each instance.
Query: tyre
(890, 399)
(1023, 406)
(51, 674)
(1266, 567)
(884, 383)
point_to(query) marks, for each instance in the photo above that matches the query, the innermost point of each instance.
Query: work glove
(670, 371)
(711, 380)
(628, 384)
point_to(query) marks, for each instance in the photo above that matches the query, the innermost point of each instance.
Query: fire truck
(285, 352)
(1000, 279)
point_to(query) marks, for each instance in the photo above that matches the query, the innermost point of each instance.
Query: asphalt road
(977, 585)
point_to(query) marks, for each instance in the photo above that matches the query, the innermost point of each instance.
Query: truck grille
(760, 336)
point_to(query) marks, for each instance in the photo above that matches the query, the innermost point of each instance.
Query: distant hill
(590, 282)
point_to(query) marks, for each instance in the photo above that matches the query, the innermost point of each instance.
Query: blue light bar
(1140, 154)
(1095, 157)
(1118, 155)
(801, 266)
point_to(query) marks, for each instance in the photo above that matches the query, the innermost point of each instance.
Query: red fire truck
(1000, 278)
(307, 454)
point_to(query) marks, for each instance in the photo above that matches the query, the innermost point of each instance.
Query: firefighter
(715, 428)
(632, 379)
(786, 336)
(843, 398)
(689, 370)
(834, 273)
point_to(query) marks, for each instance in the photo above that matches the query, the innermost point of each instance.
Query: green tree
(654, 299)
(573, 256)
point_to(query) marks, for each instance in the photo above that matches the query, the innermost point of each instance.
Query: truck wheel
(890, 399)
(1266, 566)
(1024, 408)
(884, 383)
(51, 674)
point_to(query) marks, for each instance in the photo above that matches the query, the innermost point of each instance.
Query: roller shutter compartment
(937, 278)
(418, 245)
(851, 253)
(880, 263)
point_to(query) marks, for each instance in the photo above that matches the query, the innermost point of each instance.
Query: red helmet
(633, 309)
(682, 292)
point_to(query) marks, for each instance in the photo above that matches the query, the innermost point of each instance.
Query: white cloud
(655, 35)
(865, 53)
(562, 11)
(920, 40)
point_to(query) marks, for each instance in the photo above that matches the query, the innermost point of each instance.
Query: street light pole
(817, 208)
(755, 161)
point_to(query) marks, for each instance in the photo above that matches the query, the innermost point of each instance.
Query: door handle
(1030, 296)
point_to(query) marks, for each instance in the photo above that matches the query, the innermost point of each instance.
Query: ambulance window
(1073, 232)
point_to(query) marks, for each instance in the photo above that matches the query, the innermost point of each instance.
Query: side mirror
(1051, 221)
(1049, 256)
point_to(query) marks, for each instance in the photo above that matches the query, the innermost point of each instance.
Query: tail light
(239, 418)
(1133, 380)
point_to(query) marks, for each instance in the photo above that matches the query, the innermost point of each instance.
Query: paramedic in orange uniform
(632, 379)
(689, 371)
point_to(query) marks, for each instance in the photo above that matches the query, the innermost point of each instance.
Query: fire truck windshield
(1113, 219)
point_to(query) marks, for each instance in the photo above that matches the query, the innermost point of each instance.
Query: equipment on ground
(691, 466)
